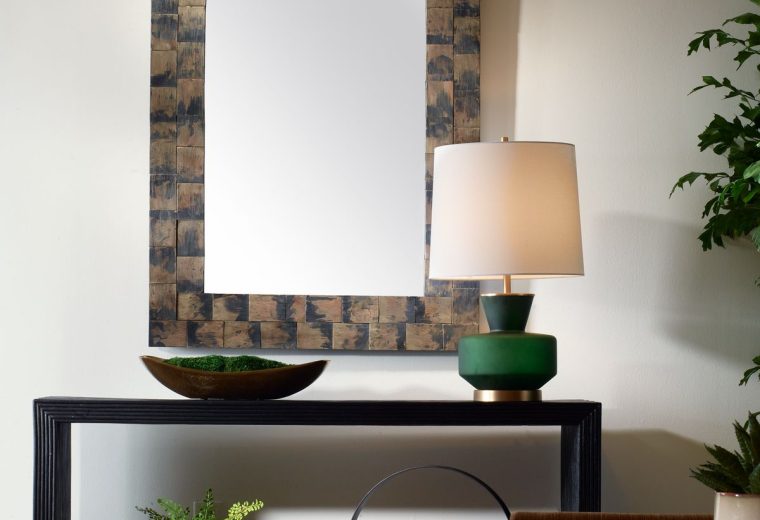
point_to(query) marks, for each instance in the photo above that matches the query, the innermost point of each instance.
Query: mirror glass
(315, 142)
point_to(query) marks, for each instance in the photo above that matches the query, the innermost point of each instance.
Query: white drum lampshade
(505, 209)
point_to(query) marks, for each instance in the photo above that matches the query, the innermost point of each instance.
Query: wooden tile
(163, 265)
(163, 68)
(190, 274)
(466, 135)
(190, 164)
(278, 334)
(205, 333)
(466, 284)
(242, 334)
(190, 241)
(437, 288)
(195, 306)
(265, 308)
(467, 110)
(163, 32)
(453, 333)
(440, 62)
(163, 158)
(167, 334)
(190, 131)
(466, 8)
(192, 2)
(440, 3)
(163, 229)
(192, 24)
(163, 301)
(189, 201)
(436, 309)
(466, 35)
(440, 26)
(465, 306)
(396, 309)
(387, 336)
(440, 114)
(191, 57)
(231, 307)
(360, 309)
(163, 192)
(429, 171)
(164, 6)
(190, 97)
(428, 206)
(163, 131)
(423, 336)
(466, 73)
(163, 104)
(323, 308)
(314, 335)
(295, 308)
(350, 336)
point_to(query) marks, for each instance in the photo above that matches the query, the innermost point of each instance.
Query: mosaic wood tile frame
(182, 315)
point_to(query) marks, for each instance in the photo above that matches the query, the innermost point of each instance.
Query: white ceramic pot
(732, 506)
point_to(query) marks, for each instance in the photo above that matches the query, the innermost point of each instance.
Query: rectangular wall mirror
(291, 169)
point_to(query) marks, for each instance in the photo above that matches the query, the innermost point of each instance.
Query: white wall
(656, 330)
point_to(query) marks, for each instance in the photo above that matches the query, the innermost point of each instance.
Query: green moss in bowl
(225, 363)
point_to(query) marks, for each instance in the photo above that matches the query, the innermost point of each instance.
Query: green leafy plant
(175, 511)
(733, 209)
(734, 471)
(225, 363)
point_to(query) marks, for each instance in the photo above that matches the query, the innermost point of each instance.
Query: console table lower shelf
(580, 423)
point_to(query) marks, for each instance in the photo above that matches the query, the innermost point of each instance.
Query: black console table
(580, 422)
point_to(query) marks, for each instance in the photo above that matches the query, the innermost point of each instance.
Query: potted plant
(733, 209)
(735, 475)
(206, 511)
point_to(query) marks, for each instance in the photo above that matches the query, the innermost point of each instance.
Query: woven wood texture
(182, 315)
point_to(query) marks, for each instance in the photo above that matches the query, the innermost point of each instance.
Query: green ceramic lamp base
(508, 360)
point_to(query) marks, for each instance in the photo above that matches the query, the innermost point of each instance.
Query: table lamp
(502, 211)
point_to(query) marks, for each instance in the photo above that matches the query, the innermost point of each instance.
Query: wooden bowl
(268, 383)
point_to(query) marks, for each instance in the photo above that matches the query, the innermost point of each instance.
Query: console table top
(311, 412)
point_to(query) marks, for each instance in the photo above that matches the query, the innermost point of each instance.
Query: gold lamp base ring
(493, 396)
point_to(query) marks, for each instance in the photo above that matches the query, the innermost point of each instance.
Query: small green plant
(734, 471)
(175, 511)
(225, 363)
(733, 209)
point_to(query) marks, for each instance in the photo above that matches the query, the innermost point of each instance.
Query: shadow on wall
(321, 467)
(703, 300)
(647, 471)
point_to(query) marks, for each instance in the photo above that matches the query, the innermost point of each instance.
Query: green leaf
(754, 236)
(173, 509)
(715, 480)
(748, 375)
(731, 465)
(754, 481)
(745, 19)
(753, 171)
(206, 511)
(745, 445)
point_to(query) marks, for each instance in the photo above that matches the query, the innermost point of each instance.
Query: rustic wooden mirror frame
(182, 315)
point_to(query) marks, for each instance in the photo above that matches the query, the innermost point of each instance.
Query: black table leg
(52, 467)
(581, 464)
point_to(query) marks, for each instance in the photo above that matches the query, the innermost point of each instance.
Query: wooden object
(430, 323)
(580, 423)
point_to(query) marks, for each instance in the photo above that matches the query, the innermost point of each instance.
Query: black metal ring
(380, 484)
